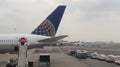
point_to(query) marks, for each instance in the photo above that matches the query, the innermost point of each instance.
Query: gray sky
(86, 20)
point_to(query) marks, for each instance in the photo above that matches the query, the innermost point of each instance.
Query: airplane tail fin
(50, 25)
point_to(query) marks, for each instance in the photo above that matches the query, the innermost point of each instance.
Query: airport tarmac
(98, 63)
(59, 58)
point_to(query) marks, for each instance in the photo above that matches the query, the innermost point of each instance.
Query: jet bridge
(22, 56)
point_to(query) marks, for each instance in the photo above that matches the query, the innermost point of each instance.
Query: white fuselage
(8, 42)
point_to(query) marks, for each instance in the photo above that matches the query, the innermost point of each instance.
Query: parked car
(89, 53)
(110, 58)
(101, 57)
(94, 55)
(82, 55)
(72, 53)
(117, 60)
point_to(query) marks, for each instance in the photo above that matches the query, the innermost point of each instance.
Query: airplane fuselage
(9, 42)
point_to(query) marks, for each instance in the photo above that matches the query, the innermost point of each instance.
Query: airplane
(41, 36)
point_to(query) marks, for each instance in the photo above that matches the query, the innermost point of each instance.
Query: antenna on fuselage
(15, 30)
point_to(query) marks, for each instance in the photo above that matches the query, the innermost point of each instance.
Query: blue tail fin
(50, 25)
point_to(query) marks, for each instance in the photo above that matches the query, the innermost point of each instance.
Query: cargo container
(44, 60)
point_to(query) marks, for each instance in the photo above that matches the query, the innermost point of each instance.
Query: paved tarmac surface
(59, 58)
(5, 57)
(98, 63)
(62, 60)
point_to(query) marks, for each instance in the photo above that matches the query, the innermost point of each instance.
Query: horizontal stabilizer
(53, 38)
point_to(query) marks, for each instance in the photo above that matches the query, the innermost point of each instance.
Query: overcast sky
(84, 20)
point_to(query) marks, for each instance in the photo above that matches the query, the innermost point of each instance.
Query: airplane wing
(53, 38)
